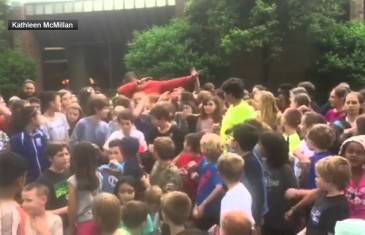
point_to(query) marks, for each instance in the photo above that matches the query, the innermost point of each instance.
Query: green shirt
(294, 142)
(147, 230)
(236, 114)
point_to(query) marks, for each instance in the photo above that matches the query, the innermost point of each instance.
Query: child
(163, 127)
(12, 178)
(279, 176)
(129, 149)
(210, 115)
(125, 120)
(34, 197)
(299, 100)
(239, 110)
(55, 126)
(73, 115)
(128, 189)
(35, 101)
(164, 173)
(83, 186)
(30, 143)
(319, 139)
(236, 223)
(176, 209)
(353, 149)
(134, 215)
(302, 154)
(210, 187)
(114, 124)
(289, 124)
(114, 168)
(191, 153)
(55, 178)
(92, 128)
(152, 197)
(245, 138)
(333, 175)
(107, 214)
(237, 198)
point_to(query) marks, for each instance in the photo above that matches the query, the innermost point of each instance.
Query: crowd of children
(159, 160)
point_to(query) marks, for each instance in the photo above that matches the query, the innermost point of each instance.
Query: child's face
(187, 109)
(355, 153)
(126, 193)
(322, 184)
(126, 126)
(62, 159)
(115, 154)
(37, 119)
(209, 107)
(56, 104)
(103, 113)
(32, 203)
(352, 104)
(73, 115)
(66, 100)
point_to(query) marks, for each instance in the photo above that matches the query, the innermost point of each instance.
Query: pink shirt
(356, 198)
(332, 115)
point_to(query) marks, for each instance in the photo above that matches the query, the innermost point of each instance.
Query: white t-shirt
(237, 198)
(120, 135)
(303, 148)
(57, 128)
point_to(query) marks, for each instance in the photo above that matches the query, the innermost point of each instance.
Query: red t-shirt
(153, 86)
(190, 185)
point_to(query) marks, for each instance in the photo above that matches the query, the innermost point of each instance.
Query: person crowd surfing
(157, 159)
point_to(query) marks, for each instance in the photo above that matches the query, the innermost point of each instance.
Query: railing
(62, 7)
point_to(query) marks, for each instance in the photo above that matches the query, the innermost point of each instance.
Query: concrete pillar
(77, 67)
(357, 10)
(179, 8)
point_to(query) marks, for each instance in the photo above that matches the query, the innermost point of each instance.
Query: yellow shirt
(236, 115)
(294, 142)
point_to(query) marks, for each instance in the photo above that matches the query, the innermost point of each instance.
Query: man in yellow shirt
(238, 110)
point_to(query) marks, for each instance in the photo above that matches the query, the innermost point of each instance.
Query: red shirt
(153, 86)
(4, 124)
(190, 186)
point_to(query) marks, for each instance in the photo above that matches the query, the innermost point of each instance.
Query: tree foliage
(214, 32)
(341, 53)
(15, 67)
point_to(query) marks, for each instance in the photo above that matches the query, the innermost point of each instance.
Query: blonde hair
(236, 223)
(230, 166)
(153, 195)
(107, 212)
(335, 170)
(269, 109)
(211, 145)
(177, 207)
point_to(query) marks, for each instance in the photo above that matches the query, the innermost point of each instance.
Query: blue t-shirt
(108, 180)
(208, 180)
(311, 178)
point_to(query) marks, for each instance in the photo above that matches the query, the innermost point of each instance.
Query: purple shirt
(332, 115)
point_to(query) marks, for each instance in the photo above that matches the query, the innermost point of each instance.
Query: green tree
(222, 31)
(341, 54)
(15, 68)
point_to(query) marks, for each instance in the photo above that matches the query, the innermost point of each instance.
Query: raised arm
(170, 85)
